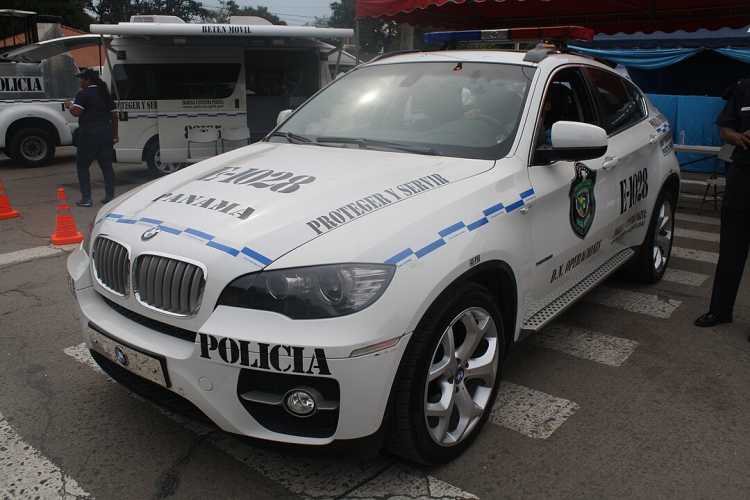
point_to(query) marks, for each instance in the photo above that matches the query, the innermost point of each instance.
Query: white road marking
(699, 219)
(533, 413)
(636, 302)
(409, 485)
(699, 255)
(314, 478)
(26, 473)
(684, 277)
(28, 254)
(696, 235)
(586, 344)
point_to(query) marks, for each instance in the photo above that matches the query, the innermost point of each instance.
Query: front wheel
(448, 378)
(650, 263)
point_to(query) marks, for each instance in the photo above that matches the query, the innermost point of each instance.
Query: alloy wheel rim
(164, 167)
(33, 148)
(663, 236)
(461, 376)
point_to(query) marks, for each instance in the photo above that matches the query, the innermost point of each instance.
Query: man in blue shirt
(96, 134)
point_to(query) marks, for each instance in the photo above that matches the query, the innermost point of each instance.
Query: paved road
(620, 398)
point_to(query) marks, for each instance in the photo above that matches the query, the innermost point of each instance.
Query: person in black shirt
(96, 134)
(734, 123)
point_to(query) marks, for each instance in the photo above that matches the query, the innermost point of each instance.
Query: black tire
(153, 162)
(648, 266)
(32, 147)
(408, 434)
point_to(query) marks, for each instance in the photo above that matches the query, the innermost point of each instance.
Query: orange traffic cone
(6, 211)
(66, 232)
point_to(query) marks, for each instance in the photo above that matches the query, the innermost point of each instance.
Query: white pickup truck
(33, 121)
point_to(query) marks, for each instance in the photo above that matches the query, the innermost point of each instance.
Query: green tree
(343, 13)
(71, 11)
(230, 8)
(375, 35)
(113, 11)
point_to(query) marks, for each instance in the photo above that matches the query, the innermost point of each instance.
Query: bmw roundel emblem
(121, 357)
(150, 233)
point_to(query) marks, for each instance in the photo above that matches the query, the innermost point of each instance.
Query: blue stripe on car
(224, 248)
(199, 234)
(256, 256)
(495, 209)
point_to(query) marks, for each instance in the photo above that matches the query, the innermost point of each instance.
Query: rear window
(175, 81)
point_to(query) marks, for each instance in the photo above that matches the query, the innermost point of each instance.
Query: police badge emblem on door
(582, 200)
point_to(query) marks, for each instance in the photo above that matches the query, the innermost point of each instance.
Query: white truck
(32, 91)
(224, 82)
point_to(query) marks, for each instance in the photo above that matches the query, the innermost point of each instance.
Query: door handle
(610, 162)
(652, 139)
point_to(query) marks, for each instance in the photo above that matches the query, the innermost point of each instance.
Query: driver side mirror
(572, 141)
(283, 115)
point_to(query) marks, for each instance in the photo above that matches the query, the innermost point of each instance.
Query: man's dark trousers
(95, 144)
(734, 244)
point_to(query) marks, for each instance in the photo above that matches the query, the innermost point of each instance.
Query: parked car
(366, 269)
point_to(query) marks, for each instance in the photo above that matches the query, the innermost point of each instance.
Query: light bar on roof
(557, 33)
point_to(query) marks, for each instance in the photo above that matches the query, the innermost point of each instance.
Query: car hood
(267, 199)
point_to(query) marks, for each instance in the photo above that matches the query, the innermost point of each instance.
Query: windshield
(462, 109)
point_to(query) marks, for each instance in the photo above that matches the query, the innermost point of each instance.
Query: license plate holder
(148, 365)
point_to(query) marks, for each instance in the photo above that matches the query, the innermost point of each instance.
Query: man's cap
(88, 74)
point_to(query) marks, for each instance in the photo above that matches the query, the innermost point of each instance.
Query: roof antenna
(459, 66)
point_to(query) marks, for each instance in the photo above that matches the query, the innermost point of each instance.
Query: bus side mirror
(283, 115)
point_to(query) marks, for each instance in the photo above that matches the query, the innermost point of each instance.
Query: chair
(239, 134)
(716, 181)
(204, 136)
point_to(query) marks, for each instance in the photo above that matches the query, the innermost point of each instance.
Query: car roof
(487, 56)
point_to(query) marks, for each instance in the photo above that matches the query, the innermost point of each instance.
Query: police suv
(365, 270)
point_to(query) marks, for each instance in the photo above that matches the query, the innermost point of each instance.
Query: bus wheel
(32, 147)
(152, 158)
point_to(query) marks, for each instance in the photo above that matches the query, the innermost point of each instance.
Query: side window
(620, 103)
(175, 81)
(567, 99)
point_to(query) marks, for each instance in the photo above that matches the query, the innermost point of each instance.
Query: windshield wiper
(376, 144)
(293, 138)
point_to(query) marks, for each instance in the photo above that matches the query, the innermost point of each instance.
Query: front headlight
(310, 292)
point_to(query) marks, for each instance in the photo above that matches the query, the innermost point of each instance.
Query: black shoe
(107, 199)
(85, 203)
(710, 319)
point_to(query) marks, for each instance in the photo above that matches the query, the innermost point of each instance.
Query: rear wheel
(448, 378)
(32, 147)
(650, 263)
(152, 156)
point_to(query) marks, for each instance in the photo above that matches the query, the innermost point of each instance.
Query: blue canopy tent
(685, 74)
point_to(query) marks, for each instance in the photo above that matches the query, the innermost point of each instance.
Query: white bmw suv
(366, 268)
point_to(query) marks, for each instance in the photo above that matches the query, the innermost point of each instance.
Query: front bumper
(205, 377)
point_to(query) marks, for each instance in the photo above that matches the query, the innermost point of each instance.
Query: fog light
(300, 403)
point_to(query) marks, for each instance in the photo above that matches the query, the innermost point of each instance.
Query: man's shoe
(107, 199)
(85, 203)
(710, 319)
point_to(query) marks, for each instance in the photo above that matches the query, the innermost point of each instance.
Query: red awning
(608, 16)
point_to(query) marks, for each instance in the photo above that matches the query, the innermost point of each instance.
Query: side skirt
(537, 320)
